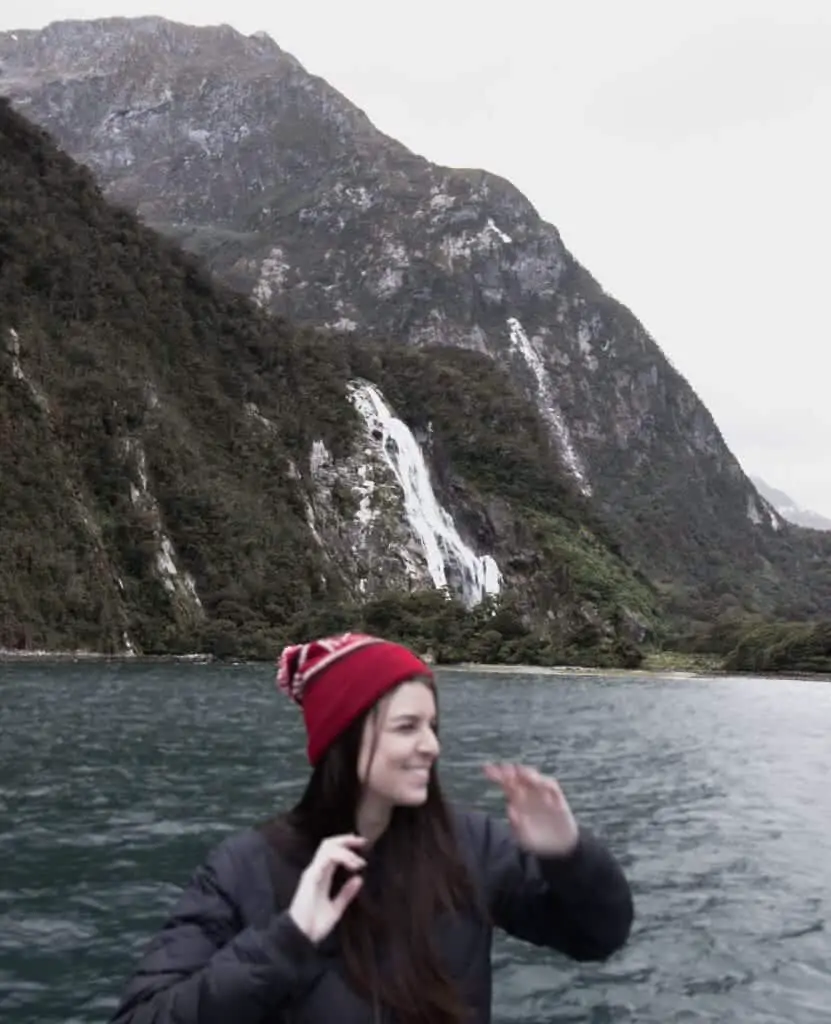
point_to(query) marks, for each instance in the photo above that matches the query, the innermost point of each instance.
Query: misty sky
(682, 149)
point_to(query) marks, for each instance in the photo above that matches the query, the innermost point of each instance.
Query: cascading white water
(446, 553)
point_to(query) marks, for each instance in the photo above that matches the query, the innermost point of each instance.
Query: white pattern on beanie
(300, 663)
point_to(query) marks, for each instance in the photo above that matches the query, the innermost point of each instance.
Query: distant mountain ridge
(789, 509)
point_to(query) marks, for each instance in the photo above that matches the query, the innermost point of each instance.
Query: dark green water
(115, 780)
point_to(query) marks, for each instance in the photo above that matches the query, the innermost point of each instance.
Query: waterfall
(449, 559)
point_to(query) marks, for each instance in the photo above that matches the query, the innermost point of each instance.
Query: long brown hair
(420, 875)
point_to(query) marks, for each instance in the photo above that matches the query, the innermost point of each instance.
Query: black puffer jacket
(227, 956)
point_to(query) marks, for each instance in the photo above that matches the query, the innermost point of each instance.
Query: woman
(373, 900)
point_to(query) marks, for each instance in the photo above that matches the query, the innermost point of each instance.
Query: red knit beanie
(336, 678)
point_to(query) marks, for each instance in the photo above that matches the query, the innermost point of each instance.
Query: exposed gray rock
(289, 192)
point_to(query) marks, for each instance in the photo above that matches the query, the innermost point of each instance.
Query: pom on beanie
(335, 679)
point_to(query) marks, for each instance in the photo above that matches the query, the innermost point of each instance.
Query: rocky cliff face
(183, 472)
(290, 194)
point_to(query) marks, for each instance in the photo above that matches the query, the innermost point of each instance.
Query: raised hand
(537, 809)
(313, 909)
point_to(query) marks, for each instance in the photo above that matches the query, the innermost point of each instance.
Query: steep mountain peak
(152, 105)
(263, 36)
(103, 43)
(290, 195)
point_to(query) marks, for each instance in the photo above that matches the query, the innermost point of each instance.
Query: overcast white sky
(683, 149)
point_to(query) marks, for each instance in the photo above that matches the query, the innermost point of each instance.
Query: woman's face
(399, 746)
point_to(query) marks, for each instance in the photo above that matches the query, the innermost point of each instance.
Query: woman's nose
(428, 742)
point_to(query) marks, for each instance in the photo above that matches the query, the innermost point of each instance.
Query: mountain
(788, 508)
(291, 196)
(183, 472)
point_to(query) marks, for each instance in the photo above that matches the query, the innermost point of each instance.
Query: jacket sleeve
(580, 904)
(203, 967)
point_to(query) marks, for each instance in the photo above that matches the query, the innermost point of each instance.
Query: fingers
(504, 775)
(519, 780)
(347, 839)
(338, 852)
(334, 852)
(347, 843)
(543, 785)
(313, 908)
(507, 774)
(348, 893)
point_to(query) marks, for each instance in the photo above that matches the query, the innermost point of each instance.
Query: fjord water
(116, 778)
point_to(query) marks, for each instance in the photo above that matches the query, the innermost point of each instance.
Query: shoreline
(9, 655)
(562, 671)
(678, 673)
(495, 668)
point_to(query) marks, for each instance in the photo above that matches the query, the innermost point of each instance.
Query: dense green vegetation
(495, 632)
(782, 647)
(753, 644)
(133, 396)
(128, 380)
(126, 338)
